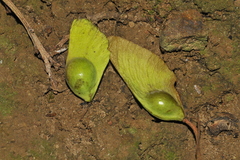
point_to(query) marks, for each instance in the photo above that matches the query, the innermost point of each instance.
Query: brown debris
(223, 122)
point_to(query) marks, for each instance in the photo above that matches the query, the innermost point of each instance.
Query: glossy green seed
(164, 106)
(81, 77)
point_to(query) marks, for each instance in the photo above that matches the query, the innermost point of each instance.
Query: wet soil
(39, 123)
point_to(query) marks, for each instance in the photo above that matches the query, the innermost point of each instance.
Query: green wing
(145, 73)
(88, 43)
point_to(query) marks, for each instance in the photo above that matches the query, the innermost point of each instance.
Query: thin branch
(47, 59)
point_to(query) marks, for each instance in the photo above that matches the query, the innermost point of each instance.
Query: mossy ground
(36, 123)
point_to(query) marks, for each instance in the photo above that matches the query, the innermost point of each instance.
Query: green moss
(225, 54)
(236, 47)
(15, 157)
(132, 130)
(180, 5)
(37, 6)
(51, 97)
(229, 97)
(206, 88)
(169, 155)
(230, 69)
(215, 5)
(151, 12)
(42, 150)
(206, 52)
(6, 45)
(7, 99)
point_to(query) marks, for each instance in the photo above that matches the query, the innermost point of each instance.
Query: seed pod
(148, 77)
(87, 58)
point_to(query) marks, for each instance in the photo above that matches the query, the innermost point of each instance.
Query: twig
(63, 40)
(59, 47)
(47, 59)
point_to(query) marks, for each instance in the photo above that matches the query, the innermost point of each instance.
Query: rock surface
(183, 31)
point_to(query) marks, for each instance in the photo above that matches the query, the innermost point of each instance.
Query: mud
(38, 123)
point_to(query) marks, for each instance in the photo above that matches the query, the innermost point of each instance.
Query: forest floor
(37, 122)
